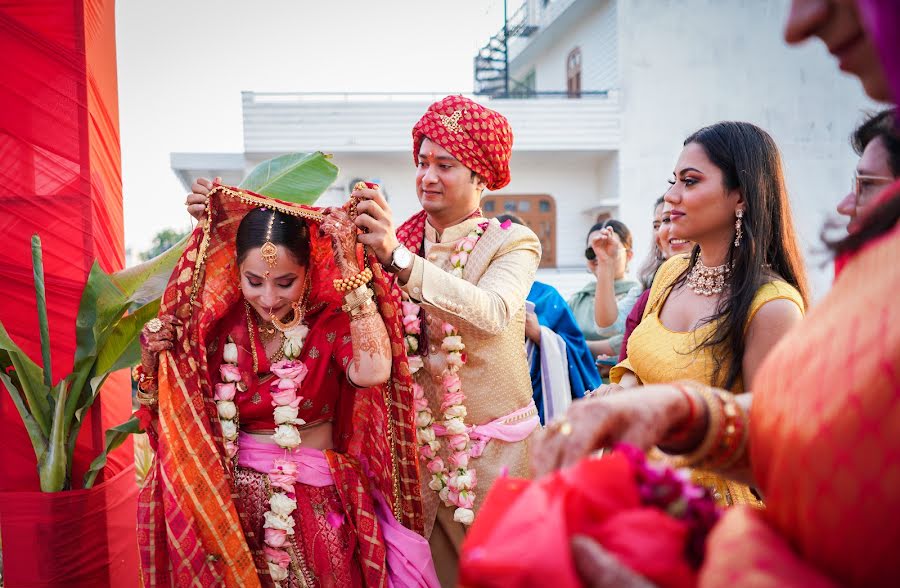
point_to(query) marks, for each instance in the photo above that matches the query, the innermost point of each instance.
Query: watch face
(402, 258)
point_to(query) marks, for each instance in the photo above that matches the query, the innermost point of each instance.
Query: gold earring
(299, 307)
(738, 228)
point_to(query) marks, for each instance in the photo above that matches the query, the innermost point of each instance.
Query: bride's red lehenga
(201, 514)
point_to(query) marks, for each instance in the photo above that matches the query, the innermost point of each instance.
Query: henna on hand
(340, 228)
(152, 344)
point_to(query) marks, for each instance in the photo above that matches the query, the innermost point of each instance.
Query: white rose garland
(289, 375)
(452, 480)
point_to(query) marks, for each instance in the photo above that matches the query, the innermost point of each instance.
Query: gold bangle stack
(726, 436)
(367, 309)
(147, 398)
(356, 298)
(147, 392)
(354, 282)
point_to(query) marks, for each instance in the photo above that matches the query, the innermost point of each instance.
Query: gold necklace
(708, 281)
(278, 355)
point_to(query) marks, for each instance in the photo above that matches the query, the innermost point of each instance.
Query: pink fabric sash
(516, 426)
(408, 554)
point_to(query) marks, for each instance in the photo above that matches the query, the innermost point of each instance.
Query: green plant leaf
(102, 304)
(29, 378)
(146, 281)
(122, 348)
(38, 439)
(114, 438)
(53, 464)
(294, 177)
(37, 264)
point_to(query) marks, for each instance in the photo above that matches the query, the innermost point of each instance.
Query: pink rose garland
(451, 478)
(289, 375)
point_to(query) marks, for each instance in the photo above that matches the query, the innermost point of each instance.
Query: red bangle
(681, 432)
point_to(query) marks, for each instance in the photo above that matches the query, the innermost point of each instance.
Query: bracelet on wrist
(681, 433)
(347, 284)
(147, 398)
(727, 433)
(356, 298)
(367, 309)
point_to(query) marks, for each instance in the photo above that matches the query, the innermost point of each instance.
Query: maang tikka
(268, 250)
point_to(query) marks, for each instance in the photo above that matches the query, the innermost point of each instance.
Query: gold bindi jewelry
(708, 281)
(268, 250)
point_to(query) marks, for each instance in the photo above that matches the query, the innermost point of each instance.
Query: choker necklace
(708, 281)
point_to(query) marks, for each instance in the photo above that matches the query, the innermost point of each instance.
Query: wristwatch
(401, 258)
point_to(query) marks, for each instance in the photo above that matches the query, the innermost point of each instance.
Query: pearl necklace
(708, 281)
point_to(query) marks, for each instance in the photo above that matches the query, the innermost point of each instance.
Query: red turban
(480, 138)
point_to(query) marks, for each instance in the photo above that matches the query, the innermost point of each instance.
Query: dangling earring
(299, 308)
(738, 228)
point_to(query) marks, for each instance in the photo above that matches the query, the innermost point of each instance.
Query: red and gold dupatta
(189, 529)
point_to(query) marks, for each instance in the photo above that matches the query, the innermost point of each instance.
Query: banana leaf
(102, 304)
(35, 434)
(28, 379)
(294, 177)
(37, 264)
(114, 438)
(145, 282)
(54, 464)
(122, 348)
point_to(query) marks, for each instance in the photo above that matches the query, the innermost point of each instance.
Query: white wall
(594, 31)
(688, 63)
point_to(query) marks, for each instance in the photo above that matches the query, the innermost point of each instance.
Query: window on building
(573, 73)
(537, 211)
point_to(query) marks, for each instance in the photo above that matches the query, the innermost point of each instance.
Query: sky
(182, 66)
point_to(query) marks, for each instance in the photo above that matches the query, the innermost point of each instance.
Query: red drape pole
(60, 177)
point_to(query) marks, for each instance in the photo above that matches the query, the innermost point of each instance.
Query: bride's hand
(340, 228)
(642, 418)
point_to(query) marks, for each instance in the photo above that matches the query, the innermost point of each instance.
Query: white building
(600, 96)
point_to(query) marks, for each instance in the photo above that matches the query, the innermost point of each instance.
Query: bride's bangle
(353, 282)
(357, 298)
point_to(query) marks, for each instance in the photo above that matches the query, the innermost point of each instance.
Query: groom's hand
(375, 218)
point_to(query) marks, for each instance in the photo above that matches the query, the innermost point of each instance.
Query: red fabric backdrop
(60, 176)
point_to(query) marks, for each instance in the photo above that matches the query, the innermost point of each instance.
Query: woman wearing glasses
(612, 294)
(878, 145)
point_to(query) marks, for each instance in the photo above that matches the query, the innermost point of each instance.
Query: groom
(474, 274)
